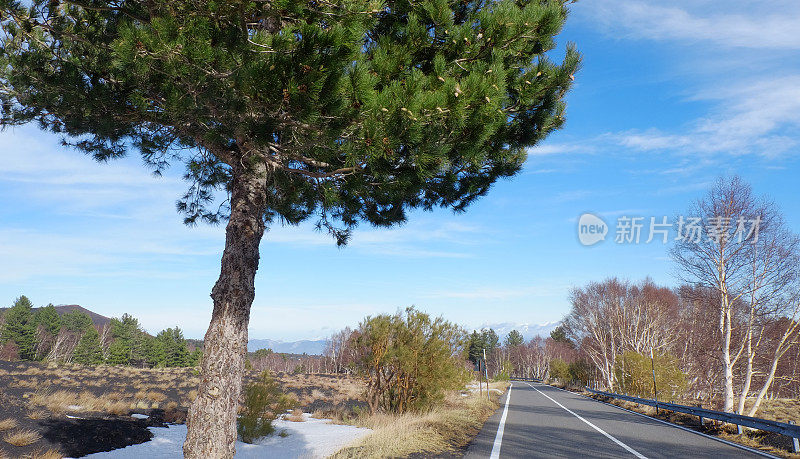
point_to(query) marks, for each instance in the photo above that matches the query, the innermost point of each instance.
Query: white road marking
(498, 439)
(609, 436)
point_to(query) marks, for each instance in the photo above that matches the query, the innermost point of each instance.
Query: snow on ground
(314, 438)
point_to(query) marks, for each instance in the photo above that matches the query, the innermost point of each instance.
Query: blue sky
(671, 95)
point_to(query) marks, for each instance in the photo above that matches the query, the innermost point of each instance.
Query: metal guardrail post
(795, 443)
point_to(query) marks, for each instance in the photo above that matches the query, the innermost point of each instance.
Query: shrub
(505, 371)
(263, 402)
(580, 372)
(635, 375)
(409, 360)
(559, 370)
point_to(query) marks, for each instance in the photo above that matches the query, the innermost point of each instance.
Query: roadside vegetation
(448, 427)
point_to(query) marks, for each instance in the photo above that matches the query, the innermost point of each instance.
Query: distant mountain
(97, 319)
(310, 347)
(529, 331)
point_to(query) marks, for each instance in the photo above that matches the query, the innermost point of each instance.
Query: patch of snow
(314, 438)
(73, 417)
(139, 416)
(74, 407)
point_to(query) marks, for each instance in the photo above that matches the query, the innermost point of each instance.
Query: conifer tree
(20, 328)
(127, 345)
(514, 338)
(76, 321)
(48, 318)
(341, 112)
(89, 350)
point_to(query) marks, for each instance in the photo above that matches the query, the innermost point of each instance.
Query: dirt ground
(49, 410)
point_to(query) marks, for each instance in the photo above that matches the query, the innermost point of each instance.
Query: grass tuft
(296, 416)
(22, 437)
(7, 424)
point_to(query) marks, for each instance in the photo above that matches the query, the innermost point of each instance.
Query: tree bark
(212, 417)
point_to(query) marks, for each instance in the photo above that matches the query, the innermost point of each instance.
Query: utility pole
(480, 378)
(655, 389)
(487, 375)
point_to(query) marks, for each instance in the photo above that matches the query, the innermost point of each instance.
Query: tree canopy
(19, 328)
(359, 109)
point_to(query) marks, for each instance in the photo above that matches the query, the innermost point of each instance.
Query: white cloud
(740, 25)
(755, 117)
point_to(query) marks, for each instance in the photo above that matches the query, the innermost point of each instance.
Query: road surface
(543, 421)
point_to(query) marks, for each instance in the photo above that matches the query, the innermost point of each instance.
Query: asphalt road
(542, 421)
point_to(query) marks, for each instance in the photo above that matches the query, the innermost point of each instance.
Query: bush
(634, 372)
(505, 371)
(580, 372)
(263, 403)
(559, 370)
(409, 360)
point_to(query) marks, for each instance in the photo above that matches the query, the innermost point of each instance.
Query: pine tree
(20, 328)
(76, 321)
(559, 335)
(172, 348)
(89, 351)
(490, 340)
(475, 347)
(342, 112)
(514, 338)
(127, 344)
(48, 318)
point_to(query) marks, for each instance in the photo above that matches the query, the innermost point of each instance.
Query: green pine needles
(359, 109)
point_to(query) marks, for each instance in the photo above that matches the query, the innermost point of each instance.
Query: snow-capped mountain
(311, 347)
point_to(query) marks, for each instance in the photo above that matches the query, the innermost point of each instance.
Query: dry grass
(47, 454)
(780, 409)
(22, 437)
(444, 429)
(156, 396)
(7, 424)
(37, 414)
(296, 416)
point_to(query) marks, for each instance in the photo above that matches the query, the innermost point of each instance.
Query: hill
(97, 319)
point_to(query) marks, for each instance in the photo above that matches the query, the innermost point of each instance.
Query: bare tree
(590, 323)
(730, 216)
(613, 316)
(785, 330)
(772, 269)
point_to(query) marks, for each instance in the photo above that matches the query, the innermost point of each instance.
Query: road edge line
(498, 439)
(606, 434)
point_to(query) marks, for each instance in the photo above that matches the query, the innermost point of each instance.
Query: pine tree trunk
(212, 417)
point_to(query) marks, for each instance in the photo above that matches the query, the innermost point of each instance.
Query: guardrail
(789, 429)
